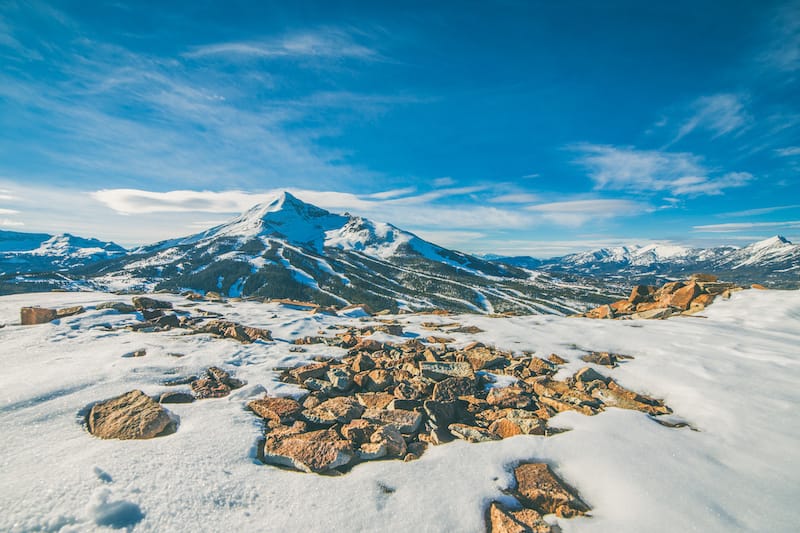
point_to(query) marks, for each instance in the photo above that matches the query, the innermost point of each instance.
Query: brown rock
(342, 409)
(484, 358)
(69, 311)
(133, 415)
(363, 363)
(502, 520)
(539, 488)
(317, 451)
(37, 315)
(654, 314)
(602, 312)
(376, 380)
(601, 358)
(439, 371)
(513, 397)
(471, 433)
(451, 389)
(587, 374)
(392, 439)
(542, 367)
(758, 286)
(702, 300)
(616, 396)
(143, 302)
(282, 410)
(707, 278)
(369, 451)
(623, 307)
(404, 421)
(216, 384)
(368, 345)
(313, 370)
(554, 358)
(649, 306)
(505, 428)
(374, 400)
(358, 431)
(683, 296)
(175, 397)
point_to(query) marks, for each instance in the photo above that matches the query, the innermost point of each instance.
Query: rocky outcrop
(673, 298)
(393, 402)
(133, 415)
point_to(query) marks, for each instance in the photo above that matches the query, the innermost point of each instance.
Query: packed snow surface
(733, 376)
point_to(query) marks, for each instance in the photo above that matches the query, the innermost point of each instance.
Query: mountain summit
(287, 248)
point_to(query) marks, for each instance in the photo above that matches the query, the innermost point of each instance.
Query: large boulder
(133, 415)
(37, 315)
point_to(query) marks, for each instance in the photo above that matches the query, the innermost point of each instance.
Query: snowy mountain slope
(732, 376)
(39, 252)
(290, 249)
(774, 261)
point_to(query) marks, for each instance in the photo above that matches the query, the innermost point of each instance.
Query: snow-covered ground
(733, 376)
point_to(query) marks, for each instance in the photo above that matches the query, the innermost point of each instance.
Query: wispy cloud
(575, 213)
(783, 52)
(328, 43)
(446, 181)
(790, 151)
(679, 173)
(760, 211)
(515, 198)
(732, 227)
(719, 114)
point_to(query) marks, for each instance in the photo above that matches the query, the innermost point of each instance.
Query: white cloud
(515, 198)
(761, 210)
(574, 213)
(743, 226)
(719, 114)
(4, 211)
(789, 151)
(444, 182)
(6, 222)
(679, 173)
(325, 43)
(783, 52)
(392, 194)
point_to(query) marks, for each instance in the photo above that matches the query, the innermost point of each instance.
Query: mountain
(287, 248)
(40, 252)
(774, 261)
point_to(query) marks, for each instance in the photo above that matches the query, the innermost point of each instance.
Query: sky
(508, 127)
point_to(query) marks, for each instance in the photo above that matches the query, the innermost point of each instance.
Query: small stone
(342, 410)
(283, 410)
(369, 451)
(176, 397)
(439, 371)
(392, 439)
(133, 415)
(540, 489)
(313, 370)
(450, 389)
(471, 433)
(404, 421)
(587, 374)
(374, 400)
(143, 302)
(318, 451)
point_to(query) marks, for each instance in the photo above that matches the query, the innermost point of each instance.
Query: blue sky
(508, 127)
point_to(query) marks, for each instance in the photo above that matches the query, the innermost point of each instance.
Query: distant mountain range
(774, 262)
(291, 249)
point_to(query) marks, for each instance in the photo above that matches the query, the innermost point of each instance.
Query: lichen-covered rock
(540, 489)
(216, 384)
(318, 451)
(283, 410)
(133, 415)
(404, 421)
(342, 409)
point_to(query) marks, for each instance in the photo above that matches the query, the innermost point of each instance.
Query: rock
(404, 405)
(539, 488)
(390, 437)
(319, 385)
(363, 363)
(404, 421)
(37, 315)
(471, 433)
(141, 352)
(758, 286)
(604, 311)
(133, 415)
(702, 301)
(376, 380)
(342, 410)
(514, 397)
(542, 367)
(450, 389)
(69, 311)
(369, 451)
(517, 422)
(232, 330)
(439, 371)
(168, 321)
(502, 520)
(213, 296)
(283, 410)
(601, 358)
(622, 307)
(653, 314)
(442, 414)
(358, 431)
(374, 400)
(467, 329)
(682, 297)
(554, 358)
(669, 288)
(120, 307)
(143, 302)
(216, 384)
(317, 451)
(313, 370)
(617, 396)
(641, 293)
(504, 428)
(483, 358)
(367, 345)
(587, 374)
(176, 397)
